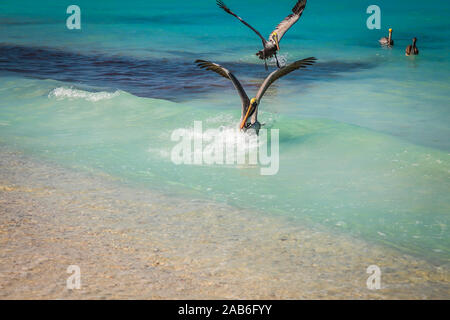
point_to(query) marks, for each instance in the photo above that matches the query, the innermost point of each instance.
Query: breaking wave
(62, 93)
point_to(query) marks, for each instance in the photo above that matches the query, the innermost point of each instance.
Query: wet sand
(135, 243)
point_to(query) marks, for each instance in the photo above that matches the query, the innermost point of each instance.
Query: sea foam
(61, 93)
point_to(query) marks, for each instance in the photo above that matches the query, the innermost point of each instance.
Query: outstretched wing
(226, 74)
(227, 10)
(271, 78)
(289, 21)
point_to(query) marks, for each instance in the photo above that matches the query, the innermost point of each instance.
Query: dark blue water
(171, 79)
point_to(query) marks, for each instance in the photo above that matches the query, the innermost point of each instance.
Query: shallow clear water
(364, 135)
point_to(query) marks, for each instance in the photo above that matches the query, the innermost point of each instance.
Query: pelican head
(275, 38)
(390, 42)
(252, 106)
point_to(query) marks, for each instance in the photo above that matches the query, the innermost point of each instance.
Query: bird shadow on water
(171, 79)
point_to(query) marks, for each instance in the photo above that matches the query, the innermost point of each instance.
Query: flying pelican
(387, 41)
(249, 113)
(412, 49)
(272, 45)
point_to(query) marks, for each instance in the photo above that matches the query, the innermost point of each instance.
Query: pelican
(387, 41)
(412, 49)
(272, 45)
(249, 114)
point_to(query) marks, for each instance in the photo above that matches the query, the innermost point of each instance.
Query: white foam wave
(62, 93)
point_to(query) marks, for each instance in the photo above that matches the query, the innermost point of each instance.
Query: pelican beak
(250, 108)
(276, 42)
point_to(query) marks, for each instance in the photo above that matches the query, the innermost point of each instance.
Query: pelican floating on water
(387, 41)
(412, 49)
(249, 115)
(272, 45)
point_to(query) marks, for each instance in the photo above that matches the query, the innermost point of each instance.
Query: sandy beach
(136, 243)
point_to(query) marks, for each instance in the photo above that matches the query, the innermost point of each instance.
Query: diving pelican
(412, 49)
(249, 114)
(387, 41)
(272, 45)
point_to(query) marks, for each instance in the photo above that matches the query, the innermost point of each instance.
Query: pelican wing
(227, 10)
(226, 74)
(289, 21)
(271, 78)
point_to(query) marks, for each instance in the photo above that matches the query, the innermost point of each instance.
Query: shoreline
(133, 243)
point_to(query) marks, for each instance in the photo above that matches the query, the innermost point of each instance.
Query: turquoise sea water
(364, 134)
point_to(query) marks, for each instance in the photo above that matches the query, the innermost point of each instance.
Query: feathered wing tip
(202, 63)
(277, 74)
(222, 5)
(290, 20)
(310, 59)
(300, 64)
(307, 61)
(217, 68)
(299, 6)
(227, 10)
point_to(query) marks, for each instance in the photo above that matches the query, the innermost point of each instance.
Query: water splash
(282, 59)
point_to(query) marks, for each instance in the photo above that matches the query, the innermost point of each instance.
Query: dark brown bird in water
(412, 49)
(271, 46)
